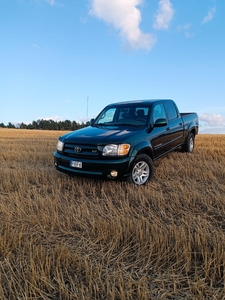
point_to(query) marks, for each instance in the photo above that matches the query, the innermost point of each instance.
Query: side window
(159, 112)
(171, 110)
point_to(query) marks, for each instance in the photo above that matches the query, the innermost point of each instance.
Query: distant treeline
(48, 125)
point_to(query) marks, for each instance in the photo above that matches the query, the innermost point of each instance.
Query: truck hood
(101, 135)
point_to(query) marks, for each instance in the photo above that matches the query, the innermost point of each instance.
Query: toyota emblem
(77, 149)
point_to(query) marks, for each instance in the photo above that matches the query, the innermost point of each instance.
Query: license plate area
(76, 164)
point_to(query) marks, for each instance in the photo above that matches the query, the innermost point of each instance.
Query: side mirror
(92, 121)
(160, 122)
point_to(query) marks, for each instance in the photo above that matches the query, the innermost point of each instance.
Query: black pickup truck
(125, 139)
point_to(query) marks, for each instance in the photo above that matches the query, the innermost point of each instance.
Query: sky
(68, 59)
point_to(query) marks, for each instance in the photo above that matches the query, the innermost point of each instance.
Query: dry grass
(77, 238)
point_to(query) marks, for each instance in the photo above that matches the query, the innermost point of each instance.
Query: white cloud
(125, 17)
(54, 118)
(67, 101)
(189, 34)
(183, 27)
(52, 2)
(206, 129)
(36, 46)
(209, 16)
(213, 120)
(164, 15)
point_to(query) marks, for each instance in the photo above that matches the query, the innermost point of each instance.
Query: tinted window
(141, 111)
(159, 112)
(171, 110)
(106, 116)
(134, 115)
(123, 115)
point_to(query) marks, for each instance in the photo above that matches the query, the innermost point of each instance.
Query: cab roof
(140, 102)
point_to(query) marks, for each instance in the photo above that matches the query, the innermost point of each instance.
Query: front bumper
(92, 167)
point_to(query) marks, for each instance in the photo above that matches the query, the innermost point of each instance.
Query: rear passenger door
(175, 125)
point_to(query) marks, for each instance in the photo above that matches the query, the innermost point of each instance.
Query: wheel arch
(141, 148)
(191, 129)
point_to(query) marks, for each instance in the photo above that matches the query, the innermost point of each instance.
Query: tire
(189, 144)
(142, 170)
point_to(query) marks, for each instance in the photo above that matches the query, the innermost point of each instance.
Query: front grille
(82, 151)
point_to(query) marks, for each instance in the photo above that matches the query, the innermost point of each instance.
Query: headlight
(59, 146)
(114, 150)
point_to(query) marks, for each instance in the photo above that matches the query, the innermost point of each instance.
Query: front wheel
(142, 170)
(189, 144)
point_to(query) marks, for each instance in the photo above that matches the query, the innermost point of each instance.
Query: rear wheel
(189, 144)
(142, 170)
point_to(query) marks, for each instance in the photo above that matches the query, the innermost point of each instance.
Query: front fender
(142, 147)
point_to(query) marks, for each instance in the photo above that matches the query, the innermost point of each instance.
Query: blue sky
(57, 56)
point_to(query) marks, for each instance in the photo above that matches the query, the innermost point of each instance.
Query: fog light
(114, 173)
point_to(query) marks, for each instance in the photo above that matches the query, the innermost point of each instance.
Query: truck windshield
(123, 115)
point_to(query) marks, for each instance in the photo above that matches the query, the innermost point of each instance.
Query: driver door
(159, 134)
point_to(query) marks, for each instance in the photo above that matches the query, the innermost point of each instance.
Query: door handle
(180, 124)
(167, 129)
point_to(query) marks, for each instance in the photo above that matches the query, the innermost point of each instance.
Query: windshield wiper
(117, 124)
(102, 124)
(124, 124)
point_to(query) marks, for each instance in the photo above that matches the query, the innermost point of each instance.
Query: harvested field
(81, 238)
